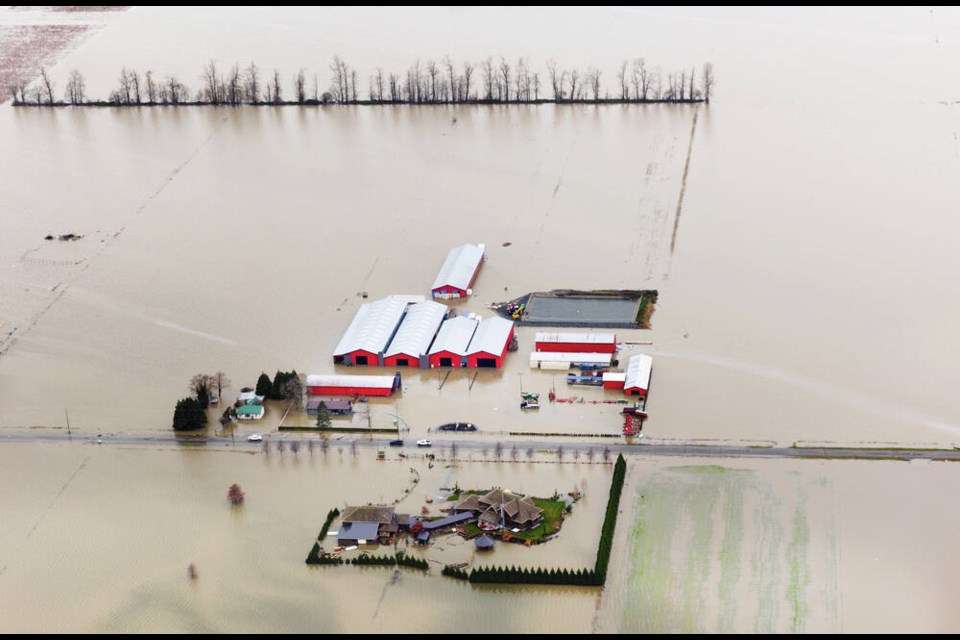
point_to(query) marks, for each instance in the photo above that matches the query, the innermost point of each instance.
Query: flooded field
(797, 230)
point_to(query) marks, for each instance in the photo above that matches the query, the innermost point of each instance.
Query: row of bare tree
(423, 83)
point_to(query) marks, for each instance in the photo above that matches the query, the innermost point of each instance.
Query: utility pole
(67, 414)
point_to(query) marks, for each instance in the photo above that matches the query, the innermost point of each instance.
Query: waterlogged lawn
(720, 550)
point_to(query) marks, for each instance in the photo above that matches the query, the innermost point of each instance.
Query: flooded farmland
(798, 235)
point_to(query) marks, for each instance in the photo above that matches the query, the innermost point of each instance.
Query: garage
(487, 363)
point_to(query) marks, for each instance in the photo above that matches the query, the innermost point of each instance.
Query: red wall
(391, 361)
(473, 357)
(629, 391)
(373, 359)
(435, 358)
(613, 384)
(349, 391)
(446, 289)
(575, 347)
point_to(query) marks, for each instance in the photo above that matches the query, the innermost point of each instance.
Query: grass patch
(552, 518)
(648, 303)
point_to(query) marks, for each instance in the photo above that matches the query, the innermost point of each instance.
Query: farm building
(614, 379)
(458, 272)
(370, 332)
(369, 524)
(638, 375)
(413, 339)
(450, 347)
(576, 342)
(335, 385)
(558, 360)
(489, 343)
(335, 406)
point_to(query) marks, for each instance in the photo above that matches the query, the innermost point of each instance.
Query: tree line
(488, 81)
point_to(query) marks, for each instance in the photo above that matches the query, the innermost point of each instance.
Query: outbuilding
(337, 385)
(614, 379)
(576, 342)
(489, 343)
(458, 272)
(452, 342)
(371, 330)
(412, 341)
(637, 381)
(567, 360)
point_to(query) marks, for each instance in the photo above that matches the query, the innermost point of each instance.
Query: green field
(719, 550)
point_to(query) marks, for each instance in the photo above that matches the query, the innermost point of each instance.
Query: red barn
(489, 344)
(415, 335)
(335, 385)
(458, 272)
(576, 342)
(637, 381)
(370, 332)
(452, 343)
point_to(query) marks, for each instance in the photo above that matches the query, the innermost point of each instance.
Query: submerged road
(442, 448)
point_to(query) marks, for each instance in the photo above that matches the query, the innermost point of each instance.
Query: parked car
(424, 443)
(396, 443)
(254, 437)
(214, 398)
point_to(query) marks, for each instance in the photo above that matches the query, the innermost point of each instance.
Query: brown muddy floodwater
(799, 230)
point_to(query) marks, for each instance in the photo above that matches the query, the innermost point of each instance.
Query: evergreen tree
(189, 415)
(323, 415)
(263, 385)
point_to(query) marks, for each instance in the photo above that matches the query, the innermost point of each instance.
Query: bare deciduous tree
(529, 454)
(151, 87)
(605, 454)
(556, 79)
(514, 452)
(300, 86)
(76, 88)
(47, 85)
(624, 85)
(432, 73)
(498, 450)
(201, 385)
(467, 74)
(575, 89)
(590, 454)
(489, 73)
(277, 89)
(220, 382)
(292, 392)
(560, 452)
(135, 87)
(593, 79)
(211, 83)
(504, 80)
(251, 80)
(295, 447)
(707, 81)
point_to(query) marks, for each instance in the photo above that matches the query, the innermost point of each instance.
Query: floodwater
(807, 294)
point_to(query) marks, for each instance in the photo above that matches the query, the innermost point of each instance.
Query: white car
(256, 437)
(424, 443)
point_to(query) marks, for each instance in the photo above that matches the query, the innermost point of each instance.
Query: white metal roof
(586, 338)
(364, 382)
(614, 376)
(418, 328)
(372, 326)
(455, 335)
(491, 336)
(459, 267)
(577, 358)
(638, 372)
